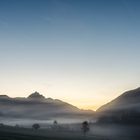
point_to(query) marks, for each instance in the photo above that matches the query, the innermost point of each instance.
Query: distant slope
(125, 108)
(38, 107)
(129, 99)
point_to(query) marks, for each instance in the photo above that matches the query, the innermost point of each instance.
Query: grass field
(11, 133)
(102, 132)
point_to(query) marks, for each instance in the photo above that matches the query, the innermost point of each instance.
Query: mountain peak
(36, 95)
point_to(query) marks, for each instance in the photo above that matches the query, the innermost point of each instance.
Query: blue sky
(85, 52)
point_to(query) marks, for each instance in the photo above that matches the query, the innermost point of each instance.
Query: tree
(55, 122)
(85, 127)
(36, 126)
(55, 125)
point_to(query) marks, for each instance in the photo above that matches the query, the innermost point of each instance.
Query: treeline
(121, 117)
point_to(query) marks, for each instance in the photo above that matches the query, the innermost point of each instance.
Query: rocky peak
(36, 95)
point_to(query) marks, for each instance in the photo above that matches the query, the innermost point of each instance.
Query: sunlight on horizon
(84, 53)
(92, 103)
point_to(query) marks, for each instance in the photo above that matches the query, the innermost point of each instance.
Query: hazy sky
(85, 52)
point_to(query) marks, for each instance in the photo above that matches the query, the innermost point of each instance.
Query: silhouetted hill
(124, 109)
(38, 107)
(36, 95)
(4, 96)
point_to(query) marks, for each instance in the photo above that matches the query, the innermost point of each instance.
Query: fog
(43, 123)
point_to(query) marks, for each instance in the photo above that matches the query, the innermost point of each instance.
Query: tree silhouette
(55, 122)
(36, 126)
(55, 125)
(85, 127)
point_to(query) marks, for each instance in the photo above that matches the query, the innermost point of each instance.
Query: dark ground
(97, 132)
(11, 133)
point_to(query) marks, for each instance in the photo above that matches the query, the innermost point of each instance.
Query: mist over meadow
(118, 119)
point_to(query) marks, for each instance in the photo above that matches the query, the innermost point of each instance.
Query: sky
(85, 52)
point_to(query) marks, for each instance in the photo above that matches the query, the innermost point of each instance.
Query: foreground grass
(97, 132)
(11, 133)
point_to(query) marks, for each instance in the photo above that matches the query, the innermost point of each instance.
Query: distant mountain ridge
(36, 106)
(125, 100)
(124, 109)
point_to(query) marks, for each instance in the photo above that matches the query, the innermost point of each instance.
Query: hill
(123, 109)
(36, 106)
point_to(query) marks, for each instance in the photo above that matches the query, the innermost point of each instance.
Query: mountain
(123, 109)
(36, 106)
(36, 95)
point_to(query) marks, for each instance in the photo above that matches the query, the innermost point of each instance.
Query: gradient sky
(85, 52)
